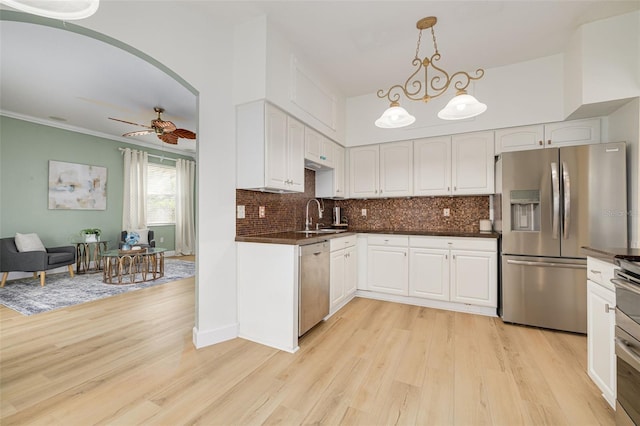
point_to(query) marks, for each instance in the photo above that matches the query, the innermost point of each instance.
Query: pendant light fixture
(65, 10)
(460, 107)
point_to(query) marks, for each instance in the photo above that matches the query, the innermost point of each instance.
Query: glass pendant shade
(462, 106)
(66, 10)
(395, 116)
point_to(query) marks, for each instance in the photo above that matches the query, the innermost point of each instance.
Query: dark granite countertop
(610, 253)
(298, 238)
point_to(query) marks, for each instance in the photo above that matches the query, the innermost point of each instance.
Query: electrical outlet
(261, 212)
(364, 212)
(162, 239)
(447, 212)
(240, 212)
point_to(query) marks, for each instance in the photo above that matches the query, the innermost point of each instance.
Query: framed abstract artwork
(75, 186)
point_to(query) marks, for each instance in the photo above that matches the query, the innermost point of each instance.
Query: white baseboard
(202, 338)
(428, 303)
(270, 344)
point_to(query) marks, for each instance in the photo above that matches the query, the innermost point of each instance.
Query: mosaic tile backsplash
(286, 212)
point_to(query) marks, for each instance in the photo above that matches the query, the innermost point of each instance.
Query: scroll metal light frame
(439, 83)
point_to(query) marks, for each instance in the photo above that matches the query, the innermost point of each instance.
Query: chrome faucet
(307, 220)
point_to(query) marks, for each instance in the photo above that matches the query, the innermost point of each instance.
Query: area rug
(60, 291)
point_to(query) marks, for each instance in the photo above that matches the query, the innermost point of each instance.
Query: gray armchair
(33, 261)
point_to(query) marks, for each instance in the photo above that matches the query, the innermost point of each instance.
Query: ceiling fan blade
(139, 133)
(129, 122)
(184, 133)
(169, 138)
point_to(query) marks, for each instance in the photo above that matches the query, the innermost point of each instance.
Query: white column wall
(197, 47)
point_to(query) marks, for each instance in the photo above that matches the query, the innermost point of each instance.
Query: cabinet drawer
(342, 242)
(388, 240)
(600, 272)
(459, 243)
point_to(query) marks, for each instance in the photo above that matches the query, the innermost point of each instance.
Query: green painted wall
(25, 151)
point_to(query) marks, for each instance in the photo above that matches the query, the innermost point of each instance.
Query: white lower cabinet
(343, 271)
(601, 302)
(388, 264)
(459, 272)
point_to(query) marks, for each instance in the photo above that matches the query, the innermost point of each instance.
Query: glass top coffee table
(133, 266)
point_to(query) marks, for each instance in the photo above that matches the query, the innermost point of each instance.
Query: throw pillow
(144, 235)
(29, 242)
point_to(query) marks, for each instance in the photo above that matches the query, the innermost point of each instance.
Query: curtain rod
(161, 157)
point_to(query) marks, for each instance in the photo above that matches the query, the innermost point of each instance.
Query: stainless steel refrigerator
(555, 201)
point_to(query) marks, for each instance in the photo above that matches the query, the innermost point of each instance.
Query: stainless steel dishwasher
(313, 295)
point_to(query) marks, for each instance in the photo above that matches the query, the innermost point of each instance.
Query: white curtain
(134, 203)
(185, 223)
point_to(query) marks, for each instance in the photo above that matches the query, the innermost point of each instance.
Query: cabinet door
(519, 138)
(364, 166)
(338, 171)
(387, 269)
(337, 278)
(350, 270)
(429, 273)
(432, 166)
(474, 277)
(600, 339)
(396, 169)
(472, 165)
(312, 145)
(576, 132)
(295, 155)
(277, 161)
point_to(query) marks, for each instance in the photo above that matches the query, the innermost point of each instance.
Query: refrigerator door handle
(555, 184)
(548, 264)
(566, 183)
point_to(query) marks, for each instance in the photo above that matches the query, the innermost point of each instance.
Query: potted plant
(91, 235)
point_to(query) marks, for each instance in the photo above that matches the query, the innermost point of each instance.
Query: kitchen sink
(322, 231)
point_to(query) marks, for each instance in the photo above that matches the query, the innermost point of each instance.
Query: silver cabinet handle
(540, 143)
(556, 200)
(608, 308)
(549, 264)
(594, 271)
(566, 183)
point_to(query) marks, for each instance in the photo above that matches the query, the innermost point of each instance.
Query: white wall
(250, 61)
(524, 93)
(198, 48)
(624, 125)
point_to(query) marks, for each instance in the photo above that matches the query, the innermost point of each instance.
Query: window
(161, 194)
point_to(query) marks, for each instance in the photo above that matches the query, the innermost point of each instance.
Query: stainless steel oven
(627, 282)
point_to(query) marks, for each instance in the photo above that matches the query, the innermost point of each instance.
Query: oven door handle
(625, 352)
(625, 285)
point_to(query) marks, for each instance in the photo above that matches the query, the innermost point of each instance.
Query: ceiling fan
(165, 130)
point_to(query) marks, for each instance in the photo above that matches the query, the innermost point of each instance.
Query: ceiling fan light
(462, 106)
(66, 10)
(394, 117)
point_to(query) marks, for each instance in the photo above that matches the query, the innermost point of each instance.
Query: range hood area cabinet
(326, 158)
(551, 135)
(270, 149)
(384, 170)
(454, 165)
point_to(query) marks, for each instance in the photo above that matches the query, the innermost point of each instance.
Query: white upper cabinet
(330, 183)
(520, 138)
(396, 169)
(552, 135)
(270, 149)
(472, 163)
(577, 132)
(381, 170)
(364, 171)
(432, 166)
(318, 148)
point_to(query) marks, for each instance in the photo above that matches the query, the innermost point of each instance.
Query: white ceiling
(362, 46)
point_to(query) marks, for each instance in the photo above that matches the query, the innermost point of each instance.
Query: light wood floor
(129, 360)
